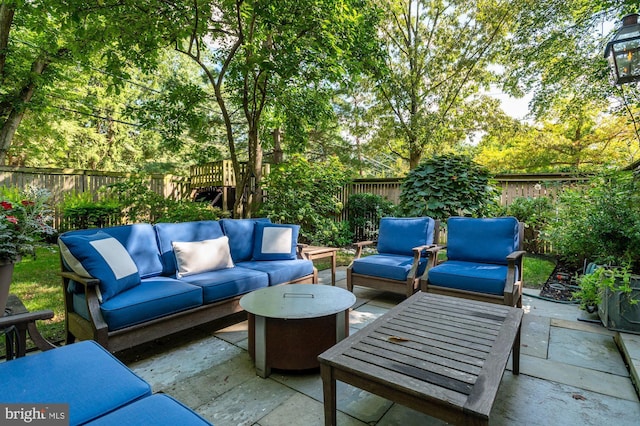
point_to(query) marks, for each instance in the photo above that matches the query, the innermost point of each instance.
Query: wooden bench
(440, 355)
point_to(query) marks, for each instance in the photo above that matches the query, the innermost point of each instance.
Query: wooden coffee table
(440, 355)
(290, 325)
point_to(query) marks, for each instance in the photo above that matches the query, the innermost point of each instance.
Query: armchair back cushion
(400, 235)
(484, 240)
(168, 233)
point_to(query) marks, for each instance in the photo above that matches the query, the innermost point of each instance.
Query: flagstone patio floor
(573, 372)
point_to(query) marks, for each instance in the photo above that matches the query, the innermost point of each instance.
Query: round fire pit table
(290, 325)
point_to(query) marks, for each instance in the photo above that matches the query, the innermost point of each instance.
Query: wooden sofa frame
(77, 327)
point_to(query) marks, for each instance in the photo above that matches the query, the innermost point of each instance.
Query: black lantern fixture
(623, 51)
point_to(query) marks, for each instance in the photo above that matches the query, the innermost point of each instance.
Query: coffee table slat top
(446, 350)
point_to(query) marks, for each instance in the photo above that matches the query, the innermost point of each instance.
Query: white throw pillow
(202, 256)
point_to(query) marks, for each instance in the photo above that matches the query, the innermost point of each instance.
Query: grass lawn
(37, 283)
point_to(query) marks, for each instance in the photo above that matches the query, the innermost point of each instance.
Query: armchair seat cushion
(280, 271)
(391, 266)
(155, 297)
(470, 276)
(224, 283)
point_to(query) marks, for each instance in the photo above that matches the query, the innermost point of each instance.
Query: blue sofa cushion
(155, 297)
(485, 240)
(280, 271)
(391, 266)
(139, 240)
(398, 235)
(103, 257)
(478, 277)
(83, 375)
(226, 283)
(241, 236)
(275, 241)
(167, 233)
(156, 410)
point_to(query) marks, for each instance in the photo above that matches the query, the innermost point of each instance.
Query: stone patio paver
(571, 374)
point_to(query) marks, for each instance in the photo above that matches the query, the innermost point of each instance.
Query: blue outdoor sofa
(132, 284)
(80, 384)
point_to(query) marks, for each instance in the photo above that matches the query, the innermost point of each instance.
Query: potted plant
(25, 219)
(600, 223)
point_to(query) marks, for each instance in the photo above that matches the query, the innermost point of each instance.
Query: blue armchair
(484, 261)
(401, 255)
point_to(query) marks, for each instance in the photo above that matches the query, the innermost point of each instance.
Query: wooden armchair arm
(417, 255)
(514, 284)
(360, 245)
(87, 282)
(93, 303)
(431, 262)
(515, 260)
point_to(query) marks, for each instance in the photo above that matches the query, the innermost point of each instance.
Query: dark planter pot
(617, 311)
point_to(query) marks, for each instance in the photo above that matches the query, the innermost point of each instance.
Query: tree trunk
(11, 123)
(6, 18)
(277, 148)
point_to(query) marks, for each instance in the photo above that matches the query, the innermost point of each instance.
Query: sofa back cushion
(241, 236)
(202, 256)
(100, 256)
(275, 242)
(398, 235)
(168, 233)
(482, 240)
(140, 242)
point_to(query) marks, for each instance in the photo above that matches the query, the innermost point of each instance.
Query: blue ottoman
(83, 375)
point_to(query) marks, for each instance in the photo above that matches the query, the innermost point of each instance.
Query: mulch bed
(561, 284)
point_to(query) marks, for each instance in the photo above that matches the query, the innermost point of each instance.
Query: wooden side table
(315, 252)
(16, 315)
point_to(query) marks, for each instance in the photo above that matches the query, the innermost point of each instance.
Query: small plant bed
(561, 284)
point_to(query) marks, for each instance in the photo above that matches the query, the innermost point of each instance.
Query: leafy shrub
(365, 211)
(447, 185)
(131, 201)
(599, 222)
(535, 213)
(139, 203)
(187, 211)
(81, 211)
(305, 193)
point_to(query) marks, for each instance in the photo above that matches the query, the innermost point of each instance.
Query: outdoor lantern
(623, 51)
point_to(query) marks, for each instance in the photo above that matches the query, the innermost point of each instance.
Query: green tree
(33, 45)
(438, 56)
(576, 137)
(252, 54)
(556, 53)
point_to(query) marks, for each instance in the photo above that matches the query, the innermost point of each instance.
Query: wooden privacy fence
(63, 181)
(66, 181)
(512, 186)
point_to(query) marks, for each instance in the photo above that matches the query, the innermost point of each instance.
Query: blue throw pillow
(275, 242)
(103, 257)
